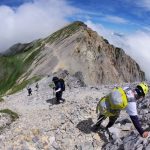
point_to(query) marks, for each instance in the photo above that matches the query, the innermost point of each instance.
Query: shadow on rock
(123, 121)
(85, 126)
(52, 101)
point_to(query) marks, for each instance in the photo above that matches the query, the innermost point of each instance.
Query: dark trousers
(59, 96)
(112, 120)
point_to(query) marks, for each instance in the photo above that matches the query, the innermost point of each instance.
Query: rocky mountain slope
(78, 48)
(75, 48)
(42, 125)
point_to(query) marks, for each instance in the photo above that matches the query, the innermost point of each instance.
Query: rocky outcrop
(77, 48)
(5, 120)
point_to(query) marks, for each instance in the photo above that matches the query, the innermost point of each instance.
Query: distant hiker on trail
(121, 98)
(29, 90)
(37, 86)
(59, 88)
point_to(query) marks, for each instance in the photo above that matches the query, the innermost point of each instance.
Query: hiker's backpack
(110, 104)
(118, 99)
(62, 82)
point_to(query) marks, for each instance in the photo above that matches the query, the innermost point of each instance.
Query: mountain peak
(79, 23)
(66, 31)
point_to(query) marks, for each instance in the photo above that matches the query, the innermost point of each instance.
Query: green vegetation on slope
(1, 99)
(13, 66)
(17, 63)
(12, 114)
(51, 85)
(22, 85)
(65, 32)
(12, 69)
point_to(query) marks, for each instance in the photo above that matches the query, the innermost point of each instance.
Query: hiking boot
(57, 102)
(95, 128)
(62, 100)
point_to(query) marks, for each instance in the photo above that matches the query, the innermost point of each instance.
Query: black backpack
(62, 82)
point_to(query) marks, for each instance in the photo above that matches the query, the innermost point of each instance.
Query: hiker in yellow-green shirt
(121, 98)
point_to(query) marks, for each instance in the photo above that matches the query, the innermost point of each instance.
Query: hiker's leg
(96, 126)
(58, 97)
(30, 92)
(62, 99)
(112, 120)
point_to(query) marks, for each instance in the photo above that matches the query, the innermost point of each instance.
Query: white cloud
(139, 46)
(144, 4)
(116, 19)
(99, 28)
(104, 17)
(32, 20)
(135, 45)
(146, 28)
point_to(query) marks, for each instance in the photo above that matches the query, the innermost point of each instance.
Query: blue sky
(125, 23)
(13, 3)
(119, 15)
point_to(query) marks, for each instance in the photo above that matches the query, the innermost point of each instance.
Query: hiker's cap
(142, 89)
(55, 79)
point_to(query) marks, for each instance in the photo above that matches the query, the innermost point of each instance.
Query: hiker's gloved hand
(145, 134)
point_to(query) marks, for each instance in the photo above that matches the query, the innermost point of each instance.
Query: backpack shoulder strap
(102, 100)
(131, 99)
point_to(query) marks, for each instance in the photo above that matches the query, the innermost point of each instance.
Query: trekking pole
(53, 97)
(53, 92)
(100, 119)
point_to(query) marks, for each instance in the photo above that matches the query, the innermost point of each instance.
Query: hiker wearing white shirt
(121, 98)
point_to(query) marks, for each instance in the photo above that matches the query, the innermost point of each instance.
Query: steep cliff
(78, 48)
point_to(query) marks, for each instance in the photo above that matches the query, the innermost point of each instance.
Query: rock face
(4, 120)
(78, 48)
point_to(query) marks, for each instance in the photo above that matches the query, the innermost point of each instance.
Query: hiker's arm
(111, 121)
(137, 124)
(59, 88)
(132, 111)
